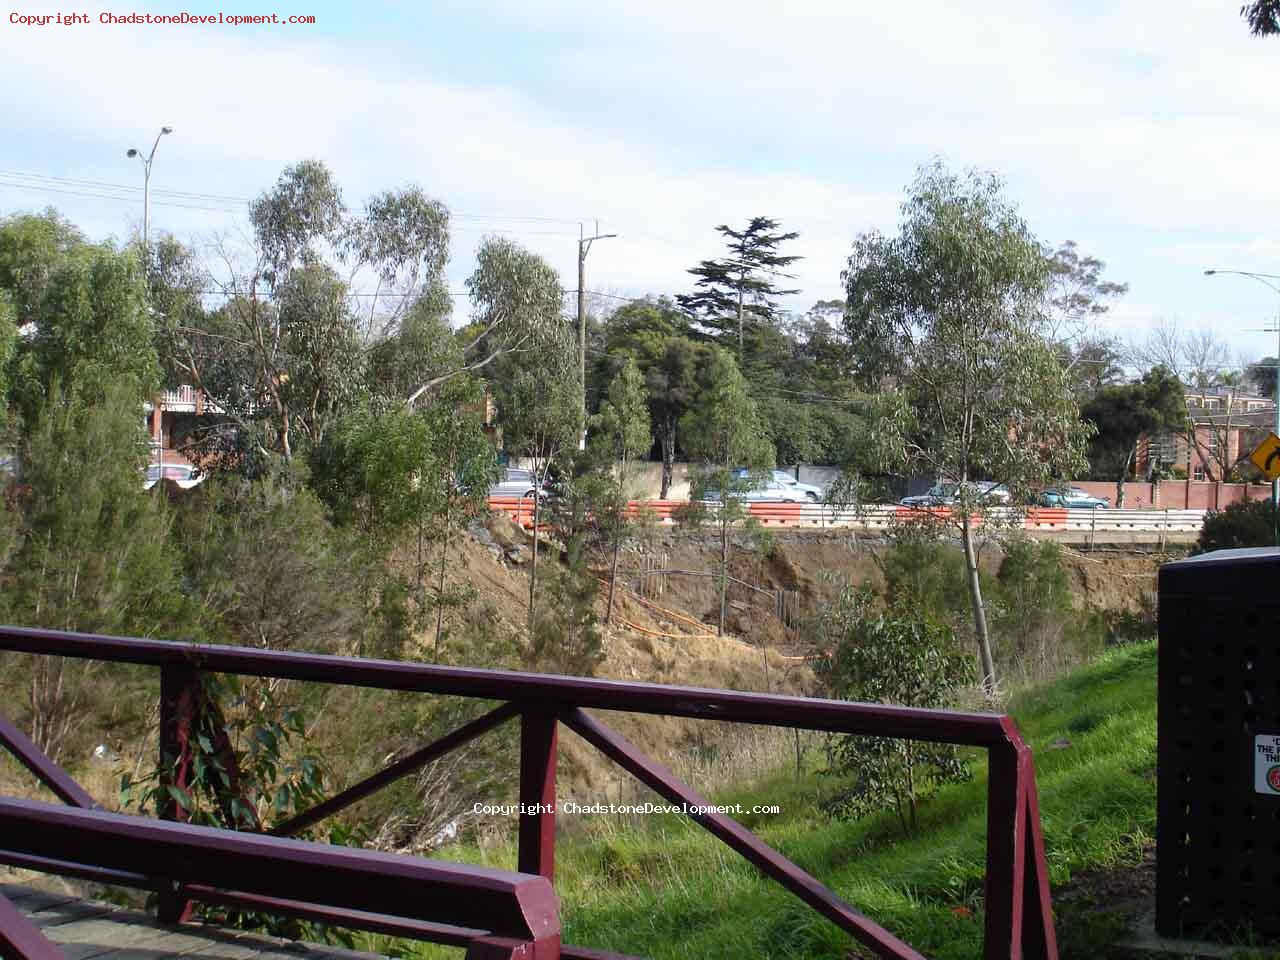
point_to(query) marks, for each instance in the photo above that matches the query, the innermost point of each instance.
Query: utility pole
(584, 247)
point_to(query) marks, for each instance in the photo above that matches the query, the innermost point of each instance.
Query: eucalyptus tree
(724, 431)
(516, 299)
(948, 318)
(91, 331)
(621, 432)
(540, 413)
(291, 342)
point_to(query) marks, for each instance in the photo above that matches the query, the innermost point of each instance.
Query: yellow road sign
(1267, 457)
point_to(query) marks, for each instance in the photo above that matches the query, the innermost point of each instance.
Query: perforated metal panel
(1218, 835)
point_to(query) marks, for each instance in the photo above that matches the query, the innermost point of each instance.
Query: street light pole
(1266, 279)
(146, 190)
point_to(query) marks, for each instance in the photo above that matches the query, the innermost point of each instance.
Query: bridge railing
(1018, 918)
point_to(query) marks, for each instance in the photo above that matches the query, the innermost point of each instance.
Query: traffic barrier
(1046, 518)
(776, 513)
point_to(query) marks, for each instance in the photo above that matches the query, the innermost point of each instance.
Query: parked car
(812, 494)
(1073, 498)
(515, 482)
(183, 474)
(768, 489)
(945, 494)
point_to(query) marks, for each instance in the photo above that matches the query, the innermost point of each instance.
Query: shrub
(1246, 523)
(890, 656)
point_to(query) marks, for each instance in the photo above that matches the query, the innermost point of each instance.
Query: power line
(123, 191)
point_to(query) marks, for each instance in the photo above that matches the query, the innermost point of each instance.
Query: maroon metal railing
(1018, 917)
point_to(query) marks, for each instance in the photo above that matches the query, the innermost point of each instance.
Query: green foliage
(266, 567)
(925, 573)
(620, 434)
(92, 331)
(1245, 523)
(655, 335)
(723, 429)
(951, 309)
(96, 556)
(32, 247)
(291, 220)
(243, 769)
(950, 314)
(895, 656)
(1122, 413)
(1034, 613)
(87, 550)
(516, 298)
(324, 371)
(565, 636)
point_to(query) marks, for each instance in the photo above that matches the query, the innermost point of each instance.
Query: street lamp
(146, 189)
(1266, 279)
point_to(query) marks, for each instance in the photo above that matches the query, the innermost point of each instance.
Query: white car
(183, 474)
(781, 479)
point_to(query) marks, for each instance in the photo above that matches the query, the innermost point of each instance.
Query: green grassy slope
(665, 889)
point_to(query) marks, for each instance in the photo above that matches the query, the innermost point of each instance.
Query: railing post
(1004, 866)
(538, 736)
(1019, 919)
(179, 696)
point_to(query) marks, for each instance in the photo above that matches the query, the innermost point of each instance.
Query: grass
(663, 888)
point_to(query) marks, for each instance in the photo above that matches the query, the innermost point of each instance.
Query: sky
(1145, 131)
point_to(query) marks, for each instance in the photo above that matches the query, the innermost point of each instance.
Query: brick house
(1227, 424)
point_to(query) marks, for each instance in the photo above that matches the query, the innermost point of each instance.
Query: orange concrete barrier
(1046, 518)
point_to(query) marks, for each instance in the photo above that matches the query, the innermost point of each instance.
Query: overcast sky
(1145, 131)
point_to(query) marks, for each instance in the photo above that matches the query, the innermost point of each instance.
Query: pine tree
(738, 292)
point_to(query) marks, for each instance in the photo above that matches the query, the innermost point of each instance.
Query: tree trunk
(617, 538)
(533, 566)
(1124, 473)
(444, 553)
(724, 568)
(668, 459)
(986, 663)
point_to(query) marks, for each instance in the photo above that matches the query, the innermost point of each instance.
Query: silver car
(785, 479)
(515, 482)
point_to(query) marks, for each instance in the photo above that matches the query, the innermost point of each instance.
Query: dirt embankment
(665, 624)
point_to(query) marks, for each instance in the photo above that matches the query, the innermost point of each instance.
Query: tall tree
(741, 288)
(621, 433)
(1123, 413)
(454, 481)
(516, 298)
(96, 554)
(656, 335)
(949, 315)
(1078, 294)
(724, 431)
(540, 414)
